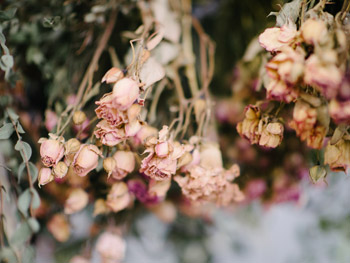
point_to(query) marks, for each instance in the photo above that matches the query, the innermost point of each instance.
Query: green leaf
(20, 171)
(12, 114)
(34, 55)
(7, 255)
(7, 60)
(24, 201)
(21, 234)
(19, 127)
(6, 131)
(33, 171)
(35, 199)
(28, 255)
(8, 14)
(24, 149)
(34, 224)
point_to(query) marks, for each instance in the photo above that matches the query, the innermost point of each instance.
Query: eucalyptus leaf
(35, 199)
(28, 255)
(6, 131)
(33, 171)
(19, 127)
(7, 255)
(20, 171)
(12, 114)
(25, 149)
(34, 224)
(21, 234)
(7, 14)
(7, 60)
(24, 201)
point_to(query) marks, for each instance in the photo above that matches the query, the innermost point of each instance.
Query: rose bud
(145, 132)
(159, 188)
(125, 163)
(125, 92)
(86, 159)
(134, 112)
(60, 170)
(58, 226)
(314, 31)
(111, 247)
(112, 75)
(51, 151)
(72, 146)
(79, 117)
(118, 197)
(162, 149)
(76, 201)
(45, 176)
(100, 207)
(109, 165)
(132, 128)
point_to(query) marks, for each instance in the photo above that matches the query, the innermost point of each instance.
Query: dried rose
(86, 159)
(76, 201)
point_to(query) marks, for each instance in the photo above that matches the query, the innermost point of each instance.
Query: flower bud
(159, 188)
(109, 165)
(60, 170)
(86, 159)
(145, 132)
(125, 92)
(58, 226)
(314, 31)
(118, 197)
(134, 112)
(45, 176)
(51, 151)
(79, 117)
(111, 247)
(132, 128)
(76, 201)
(72, 146)
(112, 75)
(125, 163)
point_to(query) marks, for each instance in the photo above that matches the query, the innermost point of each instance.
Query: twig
(153, 108)
(91, 68)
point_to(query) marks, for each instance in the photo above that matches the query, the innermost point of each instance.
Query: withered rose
(314, 31)
(107, 111)
(279, 90)
(125, 164)
(109, 135)
(118, 197)
(86, 159)
(45, 176)
(112, 75)
(248, 128)
(271, 135)
(125, 93)
(76, 201)
(58, 226)
(338, 155)
(51, 151)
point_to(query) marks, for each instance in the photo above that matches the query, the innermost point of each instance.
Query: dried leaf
(151, 72)
(288, 11)
(317, 173)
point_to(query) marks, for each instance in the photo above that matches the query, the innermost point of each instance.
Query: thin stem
(158, 92)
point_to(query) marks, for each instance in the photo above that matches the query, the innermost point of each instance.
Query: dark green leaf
(6, 131)
(24, 201)
(24, 149)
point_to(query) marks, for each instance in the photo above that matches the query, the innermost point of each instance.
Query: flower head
(86, 159)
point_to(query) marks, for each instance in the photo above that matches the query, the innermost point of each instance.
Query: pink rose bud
(100, 207)
(133, 112)
(125, 163)
(51, 151)
(112, 75)
(109, 164)
(76, 201)
(58, 226)
(86, 159)
(111, 247)
(132, 128)
(125, 92)
(118, 197)
(72, 146)
(45, 176)
(159, 188)
(162, 149)
(109, 135)
(145, 132)
(79, 117)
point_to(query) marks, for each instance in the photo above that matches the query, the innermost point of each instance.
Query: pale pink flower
(159, 188)
(50, 120)
(108, 112)
(118, 197)
(76, 201)
(273, 39)
(109, 135)
(279, 90)
(324, 75)
(340, 111)
(314, 31)
(145, 132)
(86, 159)
(132, 128)
(111, 247)
(125, 164)
(125, 92)
(45, 176)
(287, 65)
(112, 75)
(51, 151)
